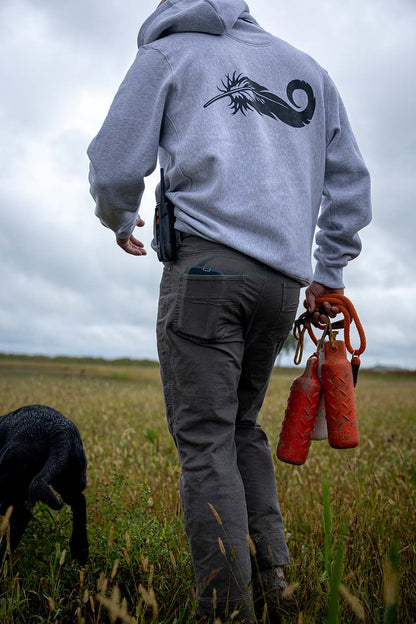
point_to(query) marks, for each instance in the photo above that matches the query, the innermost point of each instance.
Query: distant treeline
(64, 359)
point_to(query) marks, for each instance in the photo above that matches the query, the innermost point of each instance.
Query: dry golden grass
(140, 567)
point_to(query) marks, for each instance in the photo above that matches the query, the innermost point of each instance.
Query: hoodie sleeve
(346, 203)
(125, 150)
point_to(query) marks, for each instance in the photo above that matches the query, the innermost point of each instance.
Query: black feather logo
(245, 95)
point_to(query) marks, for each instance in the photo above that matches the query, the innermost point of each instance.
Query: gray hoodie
(252, 134)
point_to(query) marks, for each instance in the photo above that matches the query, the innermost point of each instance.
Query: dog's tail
(39, 488)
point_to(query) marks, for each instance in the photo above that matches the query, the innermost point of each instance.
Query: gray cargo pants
(218, 337)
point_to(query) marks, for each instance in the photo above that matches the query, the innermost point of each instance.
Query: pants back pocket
(208, 307)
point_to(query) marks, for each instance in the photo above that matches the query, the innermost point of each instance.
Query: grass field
(353, 542)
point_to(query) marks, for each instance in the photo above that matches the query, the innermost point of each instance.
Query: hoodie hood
(215, 17)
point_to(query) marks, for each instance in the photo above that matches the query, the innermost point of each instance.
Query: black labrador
(40, 448)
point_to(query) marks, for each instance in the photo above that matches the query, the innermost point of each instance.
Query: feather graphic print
(246, 95)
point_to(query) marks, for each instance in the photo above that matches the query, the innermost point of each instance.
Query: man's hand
(131, 245)
(314, 291)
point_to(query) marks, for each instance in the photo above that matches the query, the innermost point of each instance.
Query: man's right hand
(314, 291)
(131, 245)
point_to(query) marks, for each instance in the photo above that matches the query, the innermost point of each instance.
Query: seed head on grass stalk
(222, 547)
(80, 619)
(252, 546)
(102, 583)
(5, 529)
(116, 611)
(150, 600)
(6, 519)
(215, 513)
(290, 590)
(115, 569)
(353, 602)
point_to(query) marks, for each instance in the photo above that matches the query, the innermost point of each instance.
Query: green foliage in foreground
(350, 515)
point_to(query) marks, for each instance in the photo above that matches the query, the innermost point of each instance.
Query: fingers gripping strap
(350, 315)
(346, 308)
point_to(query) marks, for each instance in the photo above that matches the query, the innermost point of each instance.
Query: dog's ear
(39, 490)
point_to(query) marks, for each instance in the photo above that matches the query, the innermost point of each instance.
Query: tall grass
(350, 516)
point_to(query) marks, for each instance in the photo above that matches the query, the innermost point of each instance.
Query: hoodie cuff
(331, 277)
(127, 230)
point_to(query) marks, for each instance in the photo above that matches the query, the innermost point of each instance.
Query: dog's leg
(21, 517)
(79, 538)
(13, 490)
(18, 522)
(70, 485)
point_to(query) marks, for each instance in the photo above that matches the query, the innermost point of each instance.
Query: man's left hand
(314, 291)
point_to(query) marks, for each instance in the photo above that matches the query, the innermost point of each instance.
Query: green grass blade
(335, 579)
(391, 584)
(329, 551)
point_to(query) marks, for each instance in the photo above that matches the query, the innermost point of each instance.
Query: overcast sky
(66, 288)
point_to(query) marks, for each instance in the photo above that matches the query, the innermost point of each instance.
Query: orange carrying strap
(346, 308)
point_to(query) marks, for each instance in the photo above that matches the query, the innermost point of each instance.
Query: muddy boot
(268, 587)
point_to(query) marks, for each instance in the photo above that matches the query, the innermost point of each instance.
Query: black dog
(39, 447)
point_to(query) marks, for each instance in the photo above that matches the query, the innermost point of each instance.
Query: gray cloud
(66, 286)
